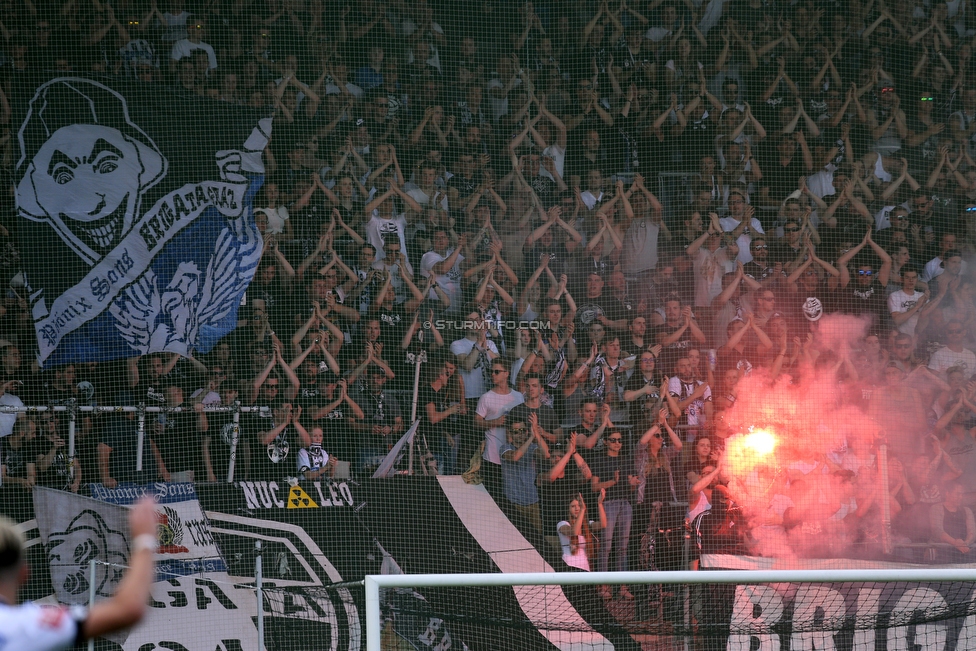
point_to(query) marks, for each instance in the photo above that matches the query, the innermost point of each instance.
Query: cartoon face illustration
(85, 165)
(87, 537)
(87, 179)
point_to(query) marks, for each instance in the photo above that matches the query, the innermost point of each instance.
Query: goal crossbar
(374, 582)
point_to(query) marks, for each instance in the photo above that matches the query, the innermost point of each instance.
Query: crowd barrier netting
(357, 289)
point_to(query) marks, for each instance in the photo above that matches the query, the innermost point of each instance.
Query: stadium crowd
(596, 221)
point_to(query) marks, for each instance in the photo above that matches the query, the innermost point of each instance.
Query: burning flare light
(745, 451)
(760, 441)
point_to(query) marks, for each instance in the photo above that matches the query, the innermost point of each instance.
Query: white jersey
(312, 458)
(31, 627)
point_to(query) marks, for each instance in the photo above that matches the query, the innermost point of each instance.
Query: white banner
(191, 606)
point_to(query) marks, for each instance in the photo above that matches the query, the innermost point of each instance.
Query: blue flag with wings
(135, 218)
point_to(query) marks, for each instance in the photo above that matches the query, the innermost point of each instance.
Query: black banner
(341, 531)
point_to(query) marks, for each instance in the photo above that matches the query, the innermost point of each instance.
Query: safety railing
(140, 410)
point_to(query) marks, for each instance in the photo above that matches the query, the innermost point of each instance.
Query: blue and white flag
(135, 218)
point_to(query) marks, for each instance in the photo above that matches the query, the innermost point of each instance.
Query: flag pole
(140, 443)
(419, 359)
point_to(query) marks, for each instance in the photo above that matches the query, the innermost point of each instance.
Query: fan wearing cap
(866, 295)
(524, 444)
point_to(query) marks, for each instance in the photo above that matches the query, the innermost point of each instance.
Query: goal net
(817, 610)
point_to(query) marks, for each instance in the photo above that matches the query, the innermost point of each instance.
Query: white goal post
(373, 583)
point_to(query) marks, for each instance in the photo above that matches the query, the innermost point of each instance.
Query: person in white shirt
(9, 399)
(32, 627)
(954, 353)
(693, 396)
(313, 461)
(594, 188)
(420, 18)
(490, 415)
(384, 222)
(711, 263)
(904, 304)
(741, 223)
(505, 80)
(950, 262)
(340, 79)
(194, 41)
(474, 353)
(639, 254)
(425, 189)
(669, 20)
(445, 265)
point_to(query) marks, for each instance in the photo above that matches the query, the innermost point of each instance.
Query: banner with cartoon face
(135, 218)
